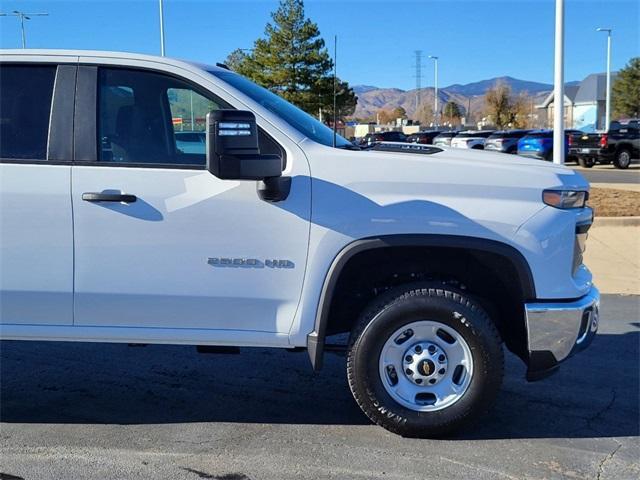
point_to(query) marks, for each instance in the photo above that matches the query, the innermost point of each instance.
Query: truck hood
(452, 191)
(474, 167)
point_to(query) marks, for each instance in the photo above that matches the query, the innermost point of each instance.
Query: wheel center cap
(425, 363)
(427, 367)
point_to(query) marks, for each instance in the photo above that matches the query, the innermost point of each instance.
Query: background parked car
(370, 138)
(505, 141)
(190, 142)
(619, 145)
(425, 138)
(471, 139)
(444, 139)
(539, 144)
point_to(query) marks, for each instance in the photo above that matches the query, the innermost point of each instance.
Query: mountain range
(470, 95)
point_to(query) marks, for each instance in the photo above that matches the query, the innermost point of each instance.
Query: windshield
(301, 121)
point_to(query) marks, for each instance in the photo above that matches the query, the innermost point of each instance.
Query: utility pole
(161, 6)
(22, 16)
(558, 87)
(607, 115)
(418, 67)
(435, 101)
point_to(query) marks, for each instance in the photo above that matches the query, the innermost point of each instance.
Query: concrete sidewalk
(633, 187)
(613, 255)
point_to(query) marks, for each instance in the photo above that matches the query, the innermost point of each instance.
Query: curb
(616, 222)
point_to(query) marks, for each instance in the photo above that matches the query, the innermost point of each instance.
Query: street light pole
(22, 17)
(335, 78)
(161, 7)
(607, 115)
(435, 107)
(558, 87)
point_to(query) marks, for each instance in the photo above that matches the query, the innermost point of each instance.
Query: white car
(272, 235)
(471, 139)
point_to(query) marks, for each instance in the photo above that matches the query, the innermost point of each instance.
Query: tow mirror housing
(233, 152)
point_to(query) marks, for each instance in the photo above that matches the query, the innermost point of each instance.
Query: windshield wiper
(349, 146)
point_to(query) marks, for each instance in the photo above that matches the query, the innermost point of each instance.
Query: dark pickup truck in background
(619, 145)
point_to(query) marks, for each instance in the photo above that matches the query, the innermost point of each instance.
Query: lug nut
(418, 349)
(408, 359)
(441, 371)
(432, 349)
(408, 371)
(432, 381)
(418, 380)
(441, 358)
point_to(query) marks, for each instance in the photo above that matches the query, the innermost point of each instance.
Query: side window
(149, 118)
(188, 116)
(25, 106)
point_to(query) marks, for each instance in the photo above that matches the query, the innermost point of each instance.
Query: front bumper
(557, 330)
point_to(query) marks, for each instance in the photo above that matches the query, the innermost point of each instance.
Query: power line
(22, 16)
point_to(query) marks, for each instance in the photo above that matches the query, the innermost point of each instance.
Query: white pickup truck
(271, 232)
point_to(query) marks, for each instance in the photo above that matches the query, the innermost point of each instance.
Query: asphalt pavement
(108, 411)
(610, 174)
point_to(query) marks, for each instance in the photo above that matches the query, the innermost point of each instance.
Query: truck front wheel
(424, 360)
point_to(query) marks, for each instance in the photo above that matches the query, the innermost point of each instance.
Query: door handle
(109, 197)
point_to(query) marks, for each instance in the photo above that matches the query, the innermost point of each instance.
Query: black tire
(623, 158)
(407, 304)
(586, 162)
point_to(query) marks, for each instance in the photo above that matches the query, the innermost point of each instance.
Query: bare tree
(425, 115)
(385, 117)
(499, 107)
(523, 111)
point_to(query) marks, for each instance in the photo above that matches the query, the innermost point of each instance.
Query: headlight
(565, 198)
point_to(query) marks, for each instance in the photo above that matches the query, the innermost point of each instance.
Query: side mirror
(232, 147)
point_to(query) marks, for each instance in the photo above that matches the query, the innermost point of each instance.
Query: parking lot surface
(91, 411)
(610, 174)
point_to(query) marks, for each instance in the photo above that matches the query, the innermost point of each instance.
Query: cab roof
(22, 52)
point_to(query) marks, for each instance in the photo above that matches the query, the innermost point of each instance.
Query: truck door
(36, 231)
(159, 241)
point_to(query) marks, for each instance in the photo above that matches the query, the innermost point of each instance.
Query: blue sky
(475, 40)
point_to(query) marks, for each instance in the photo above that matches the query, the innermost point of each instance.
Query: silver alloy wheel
(624, 159)
(426, 366)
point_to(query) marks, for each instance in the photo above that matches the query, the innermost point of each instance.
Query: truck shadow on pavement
(594, 395)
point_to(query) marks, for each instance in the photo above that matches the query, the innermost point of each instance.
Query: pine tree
(626, 90)
(293, 62)
(399, 112)
(451, 112)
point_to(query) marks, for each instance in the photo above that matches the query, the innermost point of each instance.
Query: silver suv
(505, 141)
